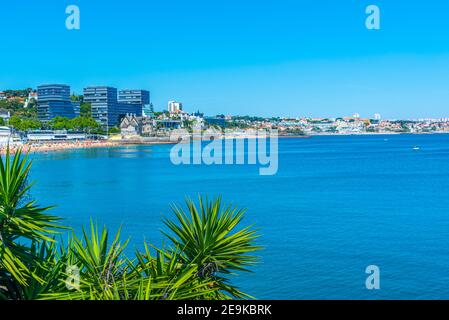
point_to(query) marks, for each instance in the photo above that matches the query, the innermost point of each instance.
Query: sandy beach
(57, 146)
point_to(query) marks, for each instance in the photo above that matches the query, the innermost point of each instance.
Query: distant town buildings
(5, 115)
(169, 124)
(57, 135)
(5, 136)
(174, 107)
(131, 125)
(54, 101)
(106, 109)
(215, 121)
(131, 111)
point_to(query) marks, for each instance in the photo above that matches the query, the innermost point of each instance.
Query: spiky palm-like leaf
(177, 280)
(105, 273)
(49, 266)
(99, 261)
(22, 222)
(209, 239)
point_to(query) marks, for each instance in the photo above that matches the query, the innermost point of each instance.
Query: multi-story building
(102, 100)
(141, 97)
(54, 101)
(137, 97)
(148, 110)
(174, 106)
(106, 109)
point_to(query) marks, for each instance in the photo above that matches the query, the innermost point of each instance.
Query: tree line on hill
(26, 119)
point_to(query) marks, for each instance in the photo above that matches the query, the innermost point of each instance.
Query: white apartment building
(174, 106)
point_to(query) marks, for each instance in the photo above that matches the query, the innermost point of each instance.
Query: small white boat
(415, 148)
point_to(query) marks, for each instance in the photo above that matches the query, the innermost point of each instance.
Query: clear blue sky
(259, 57)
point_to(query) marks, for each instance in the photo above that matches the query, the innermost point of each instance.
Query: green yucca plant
(100, 264)
(209, 239)
(179, 281)
(22, 224)
(48, 267)
(105, 273)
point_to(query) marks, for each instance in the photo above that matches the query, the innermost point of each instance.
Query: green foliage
(24, 124)
(29, 113)
(61, 123)
(32, 104)
(15, 99)
(188, 125)
(75, 98)
(15, 122)
(12, 104)
(21, 220)
(206, 248)
(114, 130)
(85, 109)
(211, 243)
(99, 262)
(78, 123)
(26, 119)
(299, 132)
(18, 93)
(248, 118)
(157, 114)
(237, 125)
(84, 123)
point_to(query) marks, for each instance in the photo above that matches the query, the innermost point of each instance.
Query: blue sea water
(336, 205)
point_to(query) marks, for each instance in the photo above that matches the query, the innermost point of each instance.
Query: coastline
(46, 147)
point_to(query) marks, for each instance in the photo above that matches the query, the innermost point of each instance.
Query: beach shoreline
(57, 146)
(46, 147)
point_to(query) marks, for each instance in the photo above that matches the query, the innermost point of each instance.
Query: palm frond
(210, 240)
(21, 221)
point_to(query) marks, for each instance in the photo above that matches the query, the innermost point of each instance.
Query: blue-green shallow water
(337, 205)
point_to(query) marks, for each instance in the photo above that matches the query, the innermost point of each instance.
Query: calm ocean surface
(337, 205)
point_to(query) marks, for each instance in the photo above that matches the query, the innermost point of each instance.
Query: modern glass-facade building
(54, 101)
(102, 100)
(106, 109)
(136, 97)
